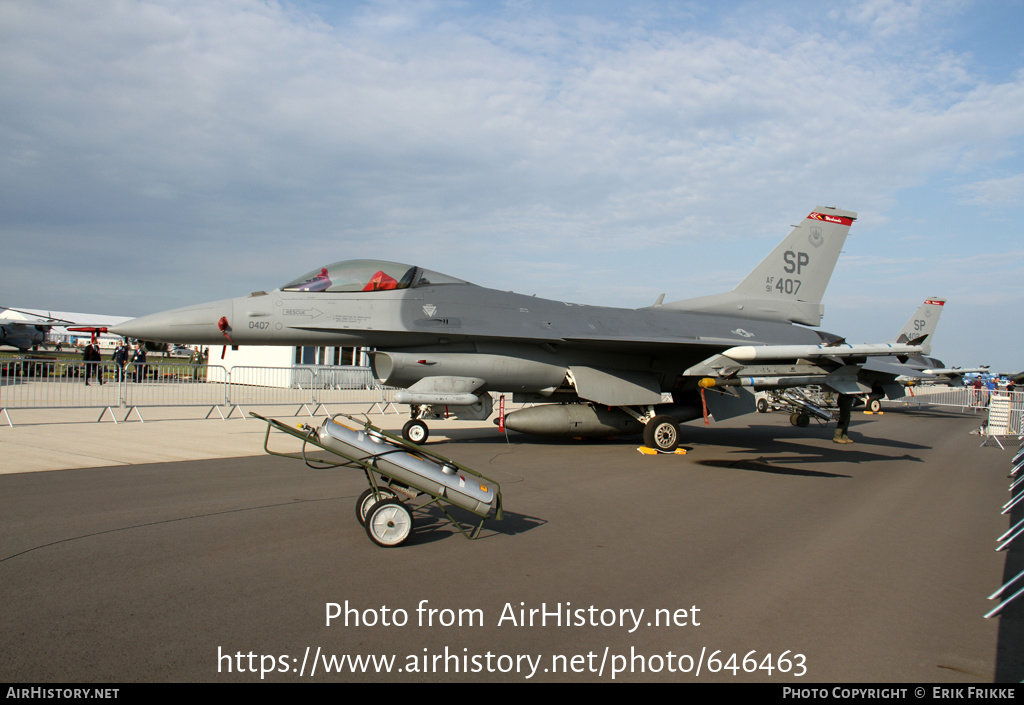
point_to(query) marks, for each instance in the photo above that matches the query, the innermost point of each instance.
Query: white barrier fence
(48, 384)
(1004, 410)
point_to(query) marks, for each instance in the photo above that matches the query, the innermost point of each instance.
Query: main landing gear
(662, 433)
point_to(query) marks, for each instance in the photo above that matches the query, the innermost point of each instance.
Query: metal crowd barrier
(47, 384)
(1012, 533)
(1004, 410)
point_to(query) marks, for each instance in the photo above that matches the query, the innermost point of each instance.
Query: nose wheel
(415, 431)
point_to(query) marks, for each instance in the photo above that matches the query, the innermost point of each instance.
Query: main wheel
(367, 500)
(415, 431)
(874, 405)
(388, 523)
(662, 433)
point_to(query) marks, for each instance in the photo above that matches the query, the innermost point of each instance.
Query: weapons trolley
(394, 467)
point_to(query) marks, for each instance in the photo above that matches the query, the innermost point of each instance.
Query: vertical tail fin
(790, 283)
(922, 323)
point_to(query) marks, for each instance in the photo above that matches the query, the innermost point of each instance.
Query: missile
(761, 382)
(749, 353)
(955, 370)
(570, 420)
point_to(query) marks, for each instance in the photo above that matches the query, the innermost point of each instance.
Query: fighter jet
(22, 334)
(30, 329)
(873, 379)
(595, 371)
(882, 377)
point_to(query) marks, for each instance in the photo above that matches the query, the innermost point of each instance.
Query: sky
(155, 154)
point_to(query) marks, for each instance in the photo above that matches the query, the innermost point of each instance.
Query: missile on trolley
(398, 463)
(805, 405)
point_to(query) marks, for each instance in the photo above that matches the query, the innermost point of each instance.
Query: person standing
(139, 361)
(121, 359)
(195, 359)
(976, 386)
(93, 362)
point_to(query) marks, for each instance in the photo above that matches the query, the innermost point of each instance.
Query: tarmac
(64, 439)
(175, 550)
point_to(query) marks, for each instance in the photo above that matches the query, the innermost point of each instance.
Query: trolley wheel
(800, 419)
(874, 405)
(415, 431)
(388, 523)
(367, 500)
(762, 406)
(662, 433)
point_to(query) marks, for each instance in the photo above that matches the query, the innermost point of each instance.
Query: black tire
(803, 420)
(415, 431)
(388, 523)
(794, 418)
(662, 433)
(762, 406)
(367, 500)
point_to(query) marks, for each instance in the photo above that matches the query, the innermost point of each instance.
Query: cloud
(242, 139)
(1008, 191)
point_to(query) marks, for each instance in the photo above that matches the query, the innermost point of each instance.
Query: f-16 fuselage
(515, 343)
(446, 342)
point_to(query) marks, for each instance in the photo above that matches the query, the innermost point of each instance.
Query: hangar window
(368, 275)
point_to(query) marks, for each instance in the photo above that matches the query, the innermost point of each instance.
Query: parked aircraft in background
(877, 378)
(603, 371)
(921, 368)
(26, 329)
(888, 377)
(25, 332)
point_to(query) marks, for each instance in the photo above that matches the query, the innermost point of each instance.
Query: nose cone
(190, 325)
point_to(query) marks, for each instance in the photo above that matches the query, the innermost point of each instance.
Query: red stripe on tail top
(828, 218)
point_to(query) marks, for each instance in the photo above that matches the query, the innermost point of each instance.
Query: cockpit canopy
(368, 275)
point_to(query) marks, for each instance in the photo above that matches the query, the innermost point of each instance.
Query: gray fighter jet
(30, 329)
(887, 377)
(22, 335)
(595, 371)
(871, 381)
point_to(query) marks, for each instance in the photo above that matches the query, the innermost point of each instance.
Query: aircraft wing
(844, 368)
(29, 318)
(652, 340)
(894, 368)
